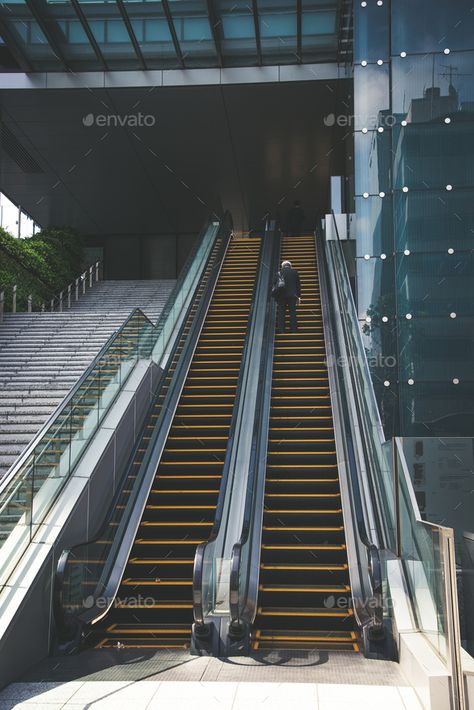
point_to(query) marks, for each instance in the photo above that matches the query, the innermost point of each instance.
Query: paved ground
(123, 680)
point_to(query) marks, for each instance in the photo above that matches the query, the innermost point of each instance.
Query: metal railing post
(91, 276)
(2, 305)
(77, 289)
(61, 302)
(14, 300)
(453, 632)
(84, 277)
(52, 305)
(30, 303)
(69, 288)
(97, 271)
(43, 308)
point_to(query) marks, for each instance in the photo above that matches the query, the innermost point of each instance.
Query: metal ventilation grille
(17, 152)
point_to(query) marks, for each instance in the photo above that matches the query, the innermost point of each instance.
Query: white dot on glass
(452, 315)
(387, 383)
(364, 62)
(403, 54)
(380, 3)
(366, 257)
(450, 250)
(380, 62)
(446, 51)
(383, 256)
(411, 382)
(407, 252)
(455, 381)
(384, 319)
(449, 188)
(363, 4)
(447, 119)
(381, 194)
(368, 319)
(408, 316)
(364, 130)
(380, 129)
(365, 195)
(405, 188)
(404, 123)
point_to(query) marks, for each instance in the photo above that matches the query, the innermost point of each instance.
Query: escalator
(153, 606)
(304, 598)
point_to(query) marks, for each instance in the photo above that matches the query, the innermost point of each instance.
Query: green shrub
(40, 266)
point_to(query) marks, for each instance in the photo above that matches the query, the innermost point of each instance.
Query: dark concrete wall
(142, 256)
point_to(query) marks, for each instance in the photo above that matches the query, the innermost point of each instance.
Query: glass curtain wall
(414, 152)
(414, 158)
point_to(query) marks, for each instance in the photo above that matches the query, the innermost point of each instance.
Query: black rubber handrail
(236, 603)
(198, 569)
(373, 552)
(71, 628)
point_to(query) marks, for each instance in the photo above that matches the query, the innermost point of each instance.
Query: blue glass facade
(414, 157)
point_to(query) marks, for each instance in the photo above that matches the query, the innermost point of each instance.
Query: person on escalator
(287, 296)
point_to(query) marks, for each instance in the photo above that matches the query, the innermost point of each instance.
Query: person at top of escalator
(295, 219)
(289, 297)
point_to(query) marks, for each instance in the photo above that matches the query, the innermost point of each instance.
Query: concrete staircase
(42, 355)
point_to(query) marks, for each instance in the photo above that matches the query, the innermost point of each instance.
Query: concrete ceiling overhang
(153, 160)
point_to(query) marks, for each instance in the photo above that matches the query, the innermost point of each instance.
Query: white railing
(63, 301)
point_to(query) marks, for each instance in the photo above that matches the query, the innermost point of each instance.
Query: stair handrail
(23, 468)
(243, 604)
(64, 299)
(114, 564)
(206, 549)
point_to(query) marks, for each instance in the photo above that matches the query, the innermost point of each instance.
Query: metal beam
(174, 36)
(40, 16)
(256, 24)
(299, 42)
(90, 36)
(131, 34)
(15, 47)
(215, 22)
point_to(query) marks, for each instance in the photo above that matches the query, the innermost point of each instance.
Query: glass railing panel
(441, 469)
(422, 551)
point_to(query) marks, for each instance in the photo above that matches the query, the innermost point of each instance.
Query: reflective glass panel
(428, 88)
(374, 224)
(371, 32)
(374, 162)
(436, 284)
(371, 96)
(434, 219)
(427, 26)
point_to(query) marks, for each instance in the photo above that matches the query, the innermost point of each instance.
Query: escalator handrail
(198, 569)
(149, 461)
(259, 443)
(374, 565)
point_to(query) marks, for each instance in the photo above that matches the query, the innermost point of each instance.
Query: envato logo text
(115, 120)
(373, 361)
(138, 602)
(372, 121)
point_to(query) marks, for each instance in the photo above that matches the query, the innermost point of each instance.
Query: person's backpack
(279, 286)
